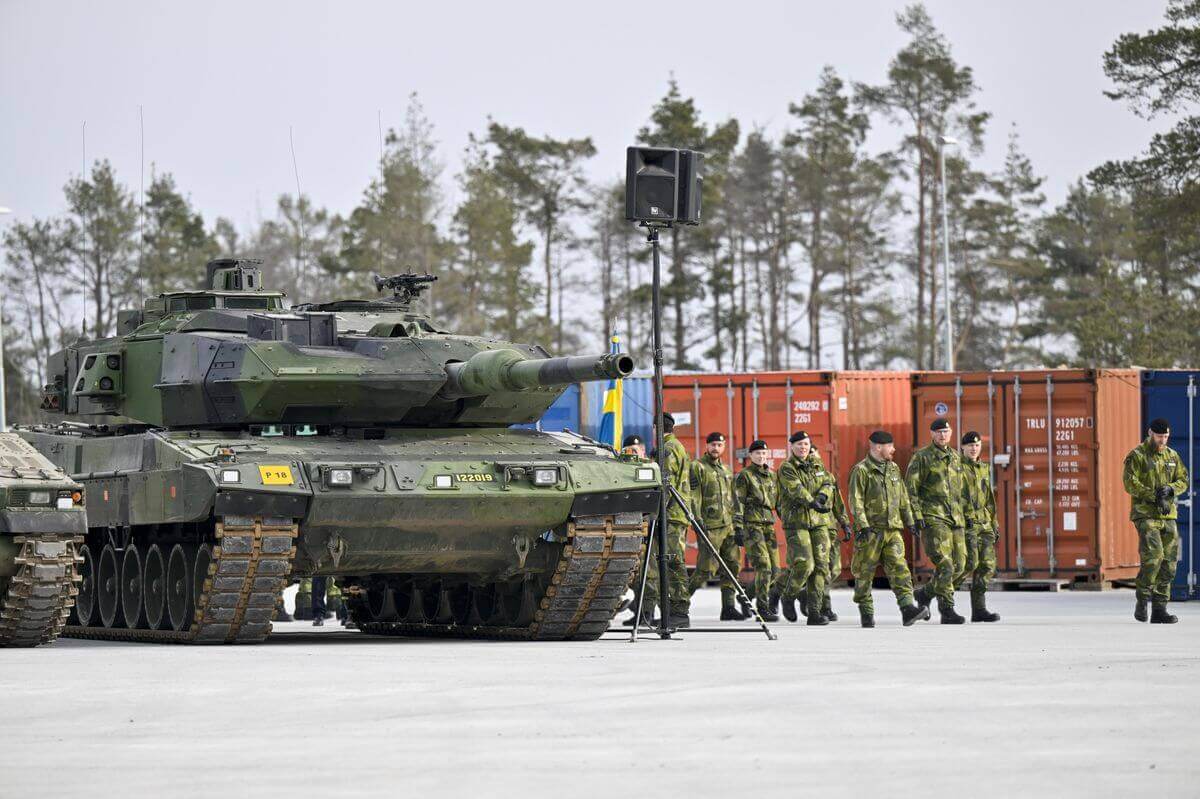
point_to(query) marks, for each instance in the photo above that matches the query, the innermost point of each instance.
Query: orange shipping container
(838, 409)
(1057, 440)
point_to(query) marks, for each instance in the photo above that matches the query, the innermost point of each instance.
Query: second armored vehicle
(41, 524)
(234, 444)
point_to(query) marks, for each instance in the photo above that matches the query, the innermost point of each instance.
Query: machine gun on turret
(405, 288)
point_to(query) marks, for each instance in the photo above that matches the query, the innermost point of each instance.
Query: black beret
(799, 435)
(715, 436)
(668, 418)
(881, 437)
(1160, 426)
(631, 441)
(971, 438)
(757, 443)
(939, 424)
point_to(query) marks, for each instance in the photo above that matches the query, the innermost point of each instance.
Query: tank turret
(229, 355)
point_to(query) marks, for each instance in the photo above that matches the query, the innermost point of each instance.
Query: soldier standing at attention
(881, 509)
(1154, 476)
(679, 476)
(837, 519)
(805, 490)
(754, 492)
(935, 485)
(712, 484)
(983, 531)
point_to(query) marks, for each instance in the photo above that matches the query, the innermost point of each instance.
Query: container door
(1172, 396)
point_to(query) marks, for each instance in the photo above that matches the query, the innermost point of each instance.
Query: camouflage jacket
(678, 475)
(935, 484)
(755, 491)
(837, 508)
(979, 498)
(800, 482)
(878, 498)
(712, 492)
(1145, 471)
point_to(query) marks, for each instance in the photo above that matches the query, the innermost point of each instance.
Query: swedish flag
(610, 419)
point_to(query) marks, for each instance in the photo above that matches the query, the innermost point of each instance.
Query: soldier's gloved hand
(739, 537)
(1164, 493)
(820, 503)
(919, 526)
(864, 534)
(847, 531)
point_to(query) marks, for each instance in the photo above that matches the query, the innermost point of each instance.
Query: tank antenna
(299, 212)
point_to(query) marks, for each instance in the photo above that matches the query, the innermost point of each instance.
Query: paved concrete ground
(1067, 696)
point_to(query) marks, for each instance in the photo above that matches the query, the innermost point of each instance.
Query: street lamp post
(3, 416)
(942, 142)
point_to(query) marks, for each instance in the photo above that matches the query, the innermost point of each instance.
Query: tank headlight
(545, 477)
(644, 475)
(340, 477)
(64, 503)
(39, 497)
(231, 476)
(443, 481)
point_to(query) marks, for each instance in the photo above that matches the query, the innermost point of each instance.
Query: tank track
(40, 596)
(251, 563)
(596, 566)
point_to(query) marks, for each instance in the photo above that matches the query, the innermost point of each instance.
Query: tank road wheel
(436, 605)
(519, 606)
(200, 564)
(108, 589)
(460, 604)
(154, 587)
(381, 604)
(410, 603)
(85, 603)
(179, 590)
(132, 572)
(485, 606)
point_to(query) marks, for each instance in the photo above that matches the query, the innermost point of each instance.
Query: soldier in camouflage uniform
(755, 490)
(836, 520)
(633, 450)
(712, 487)
(881, 509)
(805, 494)
(1154, 476)
(983, 531)
(679, 476)
(935, 485)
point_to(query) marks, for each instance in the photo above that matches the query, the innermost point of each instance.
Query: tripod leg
(641, 597)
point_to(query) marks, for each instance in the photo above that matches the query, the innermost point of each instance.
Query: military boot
(319, 621)
(923, 596)
(730, 613)
(866, 617)
(979, 611)
(789, 609)
(817, 619)
(804, 603)
(774, 598)
(764, 611)
(747, 611)
(1139, 610)
(827, 609)
(948, 614)
(1159, 615)
(911, 614)
(679, 619)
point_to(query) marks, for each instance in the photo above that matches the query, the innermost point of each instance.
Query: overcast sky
(221, 82)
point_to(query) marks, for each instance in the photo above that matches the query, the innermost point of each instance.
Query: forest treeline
(815, 250)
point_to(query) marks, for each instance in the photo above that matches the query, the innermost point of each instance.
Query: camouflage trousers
(677, 577)
(808, 566)
(759, 552)
(708, 565)
(835, 562)
(979, 544)
(1158, 545)
(938, 540)
(886, 547)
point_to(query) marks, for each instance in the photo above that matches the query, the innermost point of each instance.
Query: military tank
(41, 524)
(228, 444)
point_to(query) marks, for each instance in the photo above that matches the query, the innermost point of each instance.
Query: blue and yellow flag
(610, 419)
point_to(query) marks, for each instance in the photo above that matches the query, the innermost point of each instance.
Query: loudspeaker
(651, 184)
(691, 183)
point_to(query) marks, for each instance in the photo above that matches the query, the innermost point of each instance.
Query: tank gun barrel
(495, 371)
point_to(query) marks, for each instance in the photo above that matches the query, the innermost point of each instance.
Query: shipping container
(1171, 394)
(563, 414)
(1057, 440)
(837, 409)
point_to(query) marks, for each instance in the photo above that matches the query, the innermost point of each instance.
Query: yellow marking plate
(275, 475)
